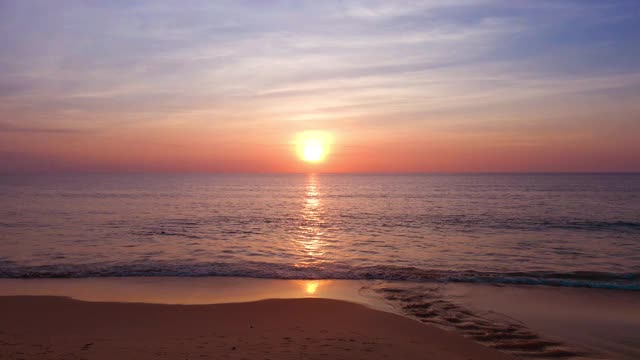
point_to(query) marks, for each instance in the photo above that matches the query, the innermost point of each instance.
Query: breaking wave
(584, 279)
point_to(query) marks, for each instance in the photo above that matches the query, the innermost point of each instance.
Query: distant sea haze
(564, 229)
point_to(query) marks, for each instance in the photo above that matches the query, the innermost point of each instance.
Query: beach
(177, 318)
(338, 179)
(40, 327)
(464, 254)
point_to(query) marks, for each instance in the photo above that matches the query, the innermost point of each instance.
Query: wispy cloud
(279, 63)
(7, 128)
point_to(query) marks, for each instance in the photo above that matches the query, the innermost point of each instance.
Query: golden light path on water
(309, 238)
(311, 287)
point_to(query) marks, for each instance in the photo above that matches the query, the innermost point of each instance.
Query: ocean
(576, 230)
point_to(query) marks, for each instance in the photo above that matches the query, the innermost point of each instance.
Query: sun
(313, 151)
(312, 146)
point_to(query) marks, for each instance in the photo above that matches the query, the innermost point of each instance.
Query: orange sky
(401, 87)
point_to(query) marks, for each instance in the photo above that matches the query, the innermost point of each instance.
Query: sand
(601, 323)
(525, 321)
(47, 327)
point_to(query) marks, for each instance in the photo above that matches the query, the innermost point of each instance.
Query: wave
(585, 279)
(531, 224)
(595, 225)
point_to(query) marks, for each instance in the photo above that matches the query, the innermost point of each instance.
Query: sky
(398, 86)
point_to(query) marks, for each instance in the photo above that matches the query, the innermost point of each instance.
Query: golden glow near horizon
(313, 146)
(311, 287)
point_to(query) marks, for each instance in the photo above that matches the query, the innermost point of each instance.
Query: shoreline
(192, 290)
(47, 327)
(522, 320)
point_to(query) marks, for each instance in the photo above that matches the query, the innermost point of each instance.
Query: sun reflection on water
(311, 287)
(309, 239)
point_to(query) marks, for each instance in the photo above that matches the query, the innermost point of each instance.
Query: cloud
(109, 66)
(8, 128)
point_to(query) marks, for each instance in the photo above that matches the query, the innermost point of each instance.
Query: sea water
(555, 229)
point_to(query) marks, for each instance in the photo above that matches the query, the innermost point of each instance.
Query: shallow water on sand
(571, 230)
(528, 321)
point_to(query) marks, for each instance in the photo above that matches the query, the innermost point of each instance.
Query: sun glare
(311, 287)
(312, 146)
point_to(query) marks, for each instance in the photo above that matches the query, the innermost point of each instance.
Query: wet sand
(527, 321)
(601, 323)
(191, 290)
(44, 327)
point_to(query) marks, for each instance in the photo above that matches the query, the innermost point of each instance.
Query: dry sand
(45, 327)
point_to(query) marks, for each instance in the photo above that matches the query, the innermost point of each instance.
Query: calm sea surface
(570, 230)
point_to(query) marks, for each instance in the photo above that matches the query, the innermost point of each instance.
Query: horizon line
(321, 173)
